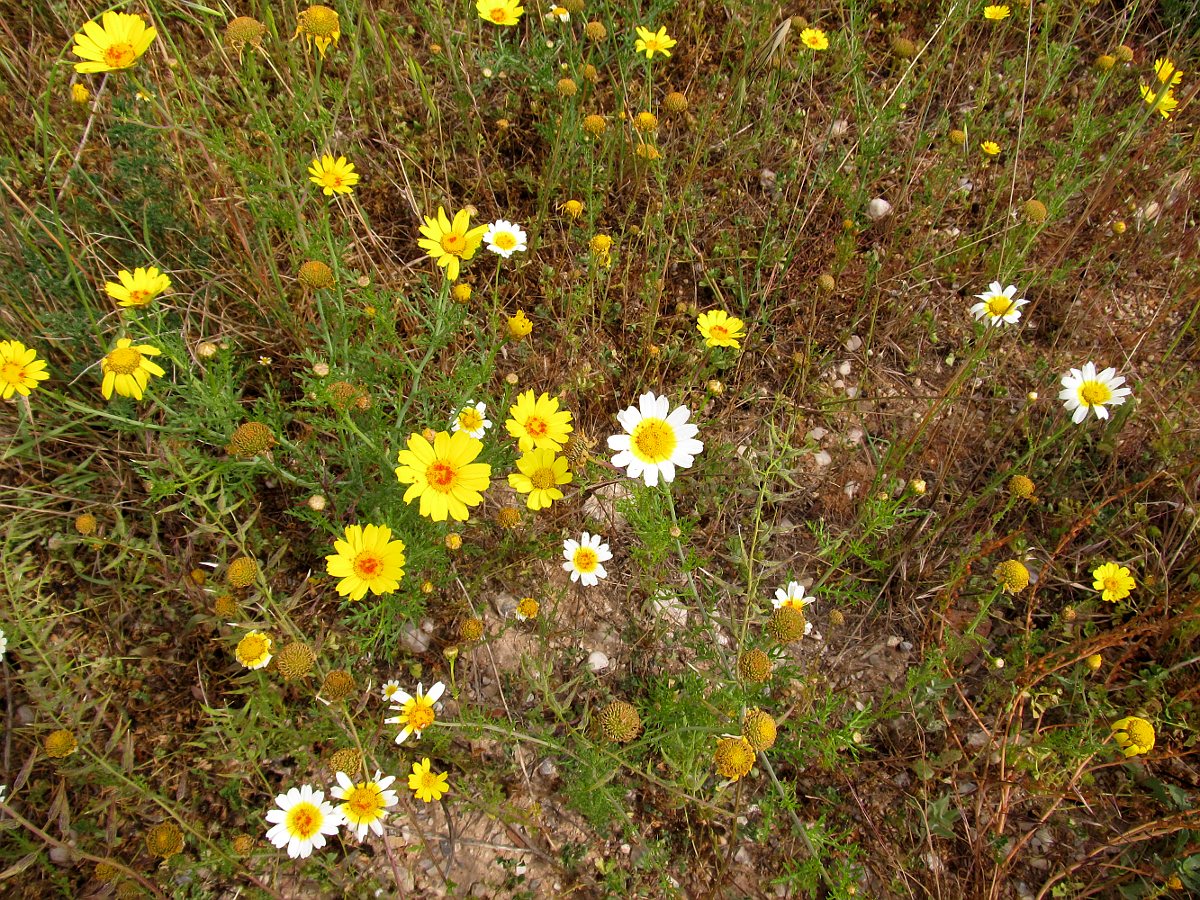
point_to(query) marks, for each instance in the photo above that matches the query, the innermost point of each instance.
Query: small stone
(878, 209)
(854, 343)
(822, 458)
(597, 661)
(547, 769)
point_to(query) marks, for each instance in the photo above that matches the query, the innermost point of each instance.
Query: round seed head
(1013, 576)
(1021, 486)
(241, 572)
(591, 73)
(754, 666)
(250, 439)
(645, 121)
(338, 685)
(508, 517)
(105, 872)
(1035, 211)
(594, 124)
(316, 275)
(461, 292)
(243, 844)
(734, 758)
(60, 744)
(620, 722)
(1124, 53)
(164, 840)
(129, 890)
(225, 607)
(567, 87)
(675, 102)
(85, 524)
(826, 283)
(786, 624)
(470, 630)
(958, 136)
(295, 660)
(242, 31)
(836, 618)
(903, 47)
(1105, 61)
(758, 728)
(453, 541)
(1095, 661)
(346, 760)
(595, 31)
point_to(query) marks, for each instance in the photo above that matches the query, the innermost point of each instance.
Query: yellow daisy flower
(1113, 582)
(995, 13)
(539, 473)
(443, 474)
(426, 784)
(1134, 735)
(719, 329)
(20, 369)
(449, 243)
(319, 25)
(538, 423)
(367, 560)
(137, 288)
(333, 176)
(991, 148)
(1163, 101)
(814, 39)
(1166, 72)
(114, 44)
(650, 42)
(127, 369)
(500, 12)
(254, 650)
(416, 711)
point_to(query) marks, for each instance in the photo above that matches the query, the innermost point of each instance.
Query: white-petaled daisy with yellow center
(558, 12)
(416, 711)
(473, 420)
(997, 305)
(656, 439)
(793, 596)
(302, 821)
(364, 805)
(584, 558)
(504, 238)
(1087, 390)
(390, 689)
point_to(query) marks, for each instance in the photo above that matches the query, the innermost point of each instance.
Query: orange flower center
(499, 13)
(364, 803)
(12, 373)
(543, 479)
(1112, 584)
(440, 476)
(303, 820)
(119, 56)
(586, 560)
(719, 333)
(367, 565)
(453, 243)
(123, 361)
(537, 427)
(139, 298)
(470, 419)
(421, 717)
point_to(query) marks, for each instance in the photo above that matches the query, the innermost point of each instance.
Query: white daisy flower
(504, 238)
(302, 821)
(558, 12)
(997, 305)
(1087, 390)
(416, 711)
(584, 558)
(365, 804)
(3, 643)
(390, 689)
(793, 596)
(656, 439)
(473, 420)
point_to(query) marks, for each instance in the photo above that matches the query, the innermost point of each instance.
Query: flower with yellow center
(793, 596)
(473, 420)
(426, 784)
(651, 42)
(584, 558)
(137, 288)
(367, 560)
(645, 122)
(997, 305)
(319, 25)
(657, 439)
(500, 12)
(450, 243)
(1166, 72)
(364, 805)
(648, 151)
(814, 39)
(1134, 735)
(538, 423)
(1086, 390)
(519, 326)
(734, 757)
(20, 369)
(539, 473)
(254, 650)
(1114, 582)
(594, 125)
(80, 94)
(527, 608)
(719, 329)
(601, 247)
(302, 821)
(1163, 99)
(572, 208)
(995, 13)
(443, 474)
(389, 690)
(991, 148)
(113, 44)
(416, 712)
(244, 30)
(558, 12)
(127, 370)
(1013, 576)
(505, 238)
(333, 176)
